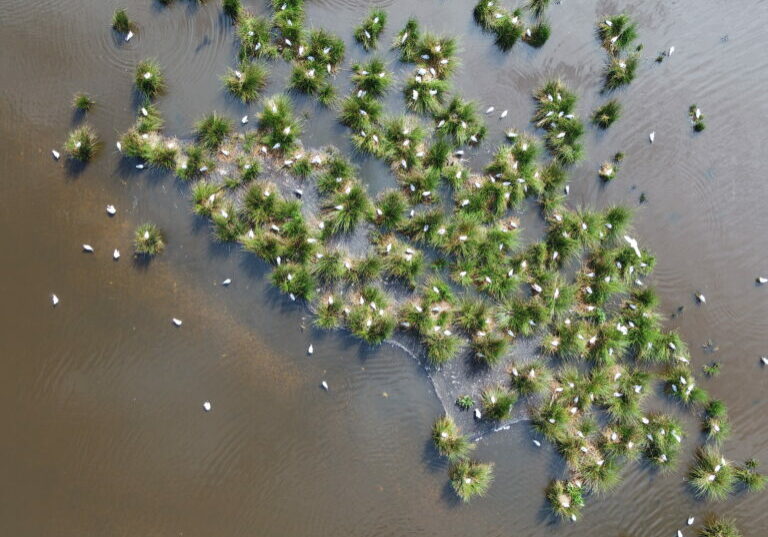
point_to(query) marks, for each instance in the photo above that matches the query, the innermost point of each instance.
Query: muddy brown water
(100, 398)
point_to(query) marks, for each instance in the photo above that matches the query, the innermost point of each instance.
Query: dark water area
(101, 397)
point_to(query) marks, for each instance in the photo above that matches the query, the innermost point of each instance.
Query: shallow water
(101, 398)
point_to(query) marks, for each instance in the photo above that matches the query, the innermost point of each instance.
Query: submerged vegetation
(120, 21)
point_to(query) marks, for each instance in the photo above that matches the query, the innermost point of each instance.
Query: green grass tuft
(471, 478)
(246, 82)
(149, 78)
(148, 240)
(82, 143)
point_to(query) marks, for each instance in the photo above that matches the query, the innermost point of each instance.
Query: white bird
(139, 166)
(116, 254)
(504, 114)
(633, 243)
(537, 443)
(226, 282)
(324, 385)
(87, 248)
(56, 154)
(54, 299)
(111, 210)
(490, 109)
(478, 414)
(652, 136)
(763, 359)
(701, 298)
(176, 321)
(671, 51)
(690, 520)
(762, 280)
(679, 533)
(128, 36)
(207, 406)
(311, 349)
(244, 120)
(119, 146)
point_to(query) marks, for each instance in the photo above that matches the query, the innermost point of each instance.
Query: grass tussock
(471, 478)
(82, 144)
(149, 78)
(368, 33)
(247, 81)
(148, 240)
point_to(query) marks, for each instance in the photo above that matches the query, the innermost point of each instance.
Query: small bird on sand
(87, 248)
(324, 385)
(116, 254)
(111, 211)
(54, 300)
(176, 321)
(56, 154)
(207, 406)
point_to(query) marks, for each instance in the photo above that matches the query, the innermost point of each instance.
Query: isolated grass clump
(749, 477)
(148, 240)
(246, 82)
(82, 143)
(697, 118)
(368, 33)
(449, 441)
(120, 21)
(149, 78)
(82, 102)
(617, 33)
(471, 478)
(621, 71)
(212, 130)
(607, 114)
